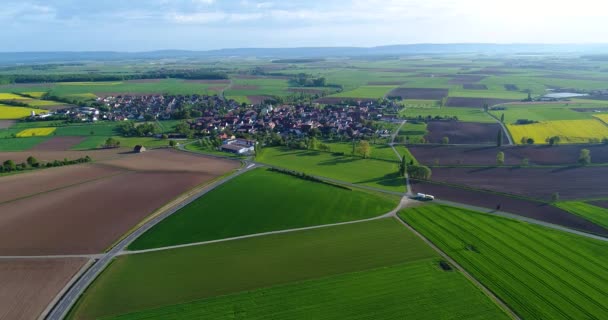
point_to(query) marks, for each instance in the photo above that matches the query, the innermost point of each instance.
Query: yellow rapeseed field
(569, 131)
(603, 117)
(11, 113)
(35, 132)
(10, 96)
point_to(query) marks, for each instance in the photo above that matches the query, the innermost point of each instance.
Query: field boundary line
(467, 275)
(54, 256)
(65, 288)
(402, 204)
(514, 216)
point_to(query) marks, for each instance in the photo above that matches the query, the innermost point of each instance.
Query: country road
(60, 309)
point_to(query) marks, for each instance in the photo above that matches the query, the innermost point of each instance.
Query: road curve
(61, 308)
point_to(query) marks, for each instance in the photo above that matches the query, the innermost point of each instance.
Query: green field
(544, 112)
(597, 215)
(169, 86)
(540, 273)
(417, 290)
(265, 201)
(20, 144)
(368, 172)
(148, 280)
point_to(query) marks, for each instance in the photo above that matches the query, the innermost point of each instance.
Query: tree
(555, 197)
(445, 140)
(500, 158)
(172, 143)
(363, 149)
(502, 118)
(33, 162)
(402, 166)
(9, 165)
(112, 143)
(313, 143)
(499, 138)
(584, 157)
(555, 140)
(530, 141)
(419, 172)
(486, 107)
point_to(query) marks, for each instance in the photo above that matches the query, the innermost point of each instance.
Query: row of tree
(192, 74)
(33, 163)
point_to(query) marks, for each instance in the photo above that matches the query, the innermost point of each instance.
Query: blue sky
(136, 25)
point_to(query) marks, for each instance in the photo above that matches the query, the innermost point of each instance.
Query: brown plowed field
(6, 123)
(419, 93)
(600, 203)
(385, 83)
(29, 285)
(466, 78)
(525, 208)
(218, 81)
(258, 99)
(58, 144)
(90, 216)
(45, 156)
(474, 86)
(460, 102)
(486, 155)
(245, 87)
(26, 184)
(306, 90)
(463, 132)
(541, 183)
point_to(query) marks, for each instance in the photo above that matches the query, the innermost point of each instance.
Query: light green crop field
(257, 87)
(20, 144)
(463, 114)
(540, 273)
(370, 92)
(368, 172)
(170, 86)
(597, 215)
(496, 94)
(418, 290)
(267, 201)
(154, 279)
(544, 112)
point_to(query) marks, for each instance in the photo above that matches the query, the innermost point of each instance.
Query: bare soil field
(58, 144)
(460, 102)
(540, 183)
(6, 123)
(336, 100)
(530, 209)
(218, 81)
(90, 216)
(26, 184)
(486, 155)
(385, 83)
(419, 93)
(463, 132)
(474, 86)
(466, 78)
(258, 99)
(96, 155)
(600, 203)
(168, 160)
(29, 285)
(245, 87)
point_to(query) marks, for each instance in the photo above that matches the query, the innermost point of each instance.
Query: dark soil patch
(385, 83)
(466, 78)
(463, 132)
(220, 81)
(4, 124)
(525, 208)
(514, 155)
(245, 87)
(474, 86)
(539, 183)
(511, 87)
(258, 99)
(474, 102)
(600, 203)
(419, 93)
(59, 144)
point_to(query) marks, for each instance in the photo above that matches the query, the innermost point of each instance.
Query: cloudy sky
(138, 25)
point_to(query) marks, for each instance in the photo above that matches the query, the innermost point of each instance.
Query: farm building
(239, 146)
(139, 149)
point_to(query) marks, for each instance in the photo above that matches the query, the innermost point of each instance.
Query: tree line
(33, 163)
(194, 74)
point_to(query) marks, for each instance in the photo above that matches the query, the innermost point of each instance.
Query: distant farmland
(540, 273)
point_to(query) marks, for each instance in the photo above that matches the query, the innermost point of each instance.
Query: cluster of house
(297, 120)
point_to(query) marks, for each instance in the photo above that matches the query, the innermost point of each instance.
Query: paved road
(504, 128)
(73, 293)
(408, 188)
(404, 203)
(58, 256)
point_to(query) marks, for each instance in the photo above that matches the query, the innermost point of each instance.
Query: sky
(138, 25)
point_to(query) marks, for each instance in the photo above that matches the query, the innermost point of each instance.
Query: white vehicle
(422, 196)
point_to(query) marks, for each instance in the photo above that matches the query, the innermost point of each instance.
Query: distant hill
(8, 58)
